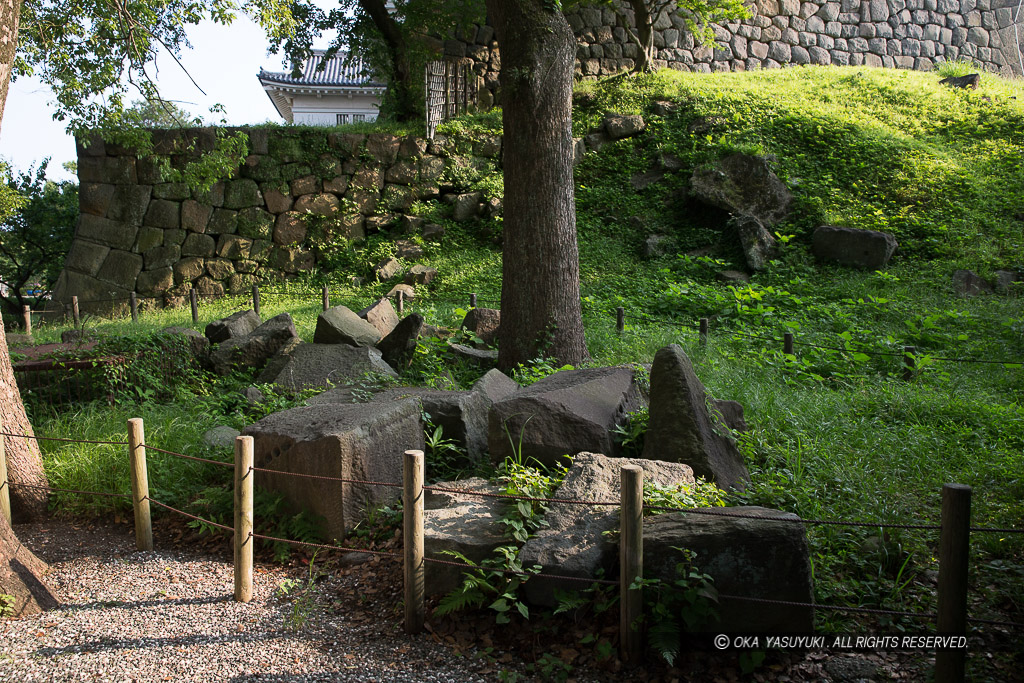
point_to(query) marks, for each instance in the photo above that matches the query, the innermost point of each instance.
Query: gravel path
(170, 616)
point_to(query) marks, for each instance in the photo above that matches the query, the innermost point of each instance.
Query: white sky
(224, 62)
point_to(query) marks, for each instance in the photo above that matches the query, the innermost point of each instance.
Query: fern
(665, 637)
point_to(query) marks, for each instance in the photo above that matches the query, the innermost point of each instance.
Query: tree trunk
(644, 36)
(24, 464)
(540, 290)
(20, 576)
(402, 90)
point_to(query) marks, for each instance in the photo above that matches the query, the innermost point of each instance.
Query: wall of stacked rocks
(905, 34)
(139, 232)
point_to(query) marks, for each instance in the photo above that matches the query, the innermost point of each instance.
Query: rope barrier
(994, 622)
(190, 516)
(327, 547)
(994, 530)
(567, 501)
(839, 608)
(87, 493)
(188, 457)
(794, 520)
(502, 570)
(57, 438)
(317, 476)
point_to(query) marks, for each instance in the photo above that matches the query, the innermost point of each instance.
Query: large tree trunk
(24, 464)
(540, 290)
(644, 36)
(20, 574)
(402, 90)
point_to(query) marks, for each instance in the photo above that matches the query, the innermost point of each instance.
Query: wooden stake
(243, 518)
(620, 319)
(74, 312)
(472, 300)
(787, 343)
(327, 298)
(26, 313)
(703, 331)
(401, 301)
(140, 484)
(631, 561)
(256, 299)
(134, 303)
(412, 507)
(194, 301)
(909, 362)
(5, 487)
(954, 552)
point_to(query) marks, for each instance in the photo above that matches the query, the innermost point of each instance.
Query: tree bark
(540, 291)
(401, 85)
(24, 463)
(20, 576)
(644, 36)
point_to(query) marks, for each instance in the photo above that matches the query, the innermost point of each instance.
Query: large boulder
(256, 348)
(574, 543)
(381, 315)
(746, 556)
(235, 325)
(758, 244)
(743, 185)
(563, 414)
(462, 415)
(968, 283)
(866, 249)
(341, 325)
(307, 366)
(495, 385)
(399, 345)
(465, 524)
(483, 322)
(680, 427)
(198, 344)
(357, 441)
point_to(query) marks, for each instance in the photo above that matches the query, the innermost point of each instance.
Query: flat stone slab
(462, 415)
(357, 441)
(308, 366)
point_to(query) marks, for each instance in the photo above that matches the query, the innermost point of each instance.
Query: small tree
(697, 14)
(36, 236)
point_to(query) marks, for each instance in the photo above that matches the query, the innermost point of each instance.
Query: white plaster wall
(323, 111)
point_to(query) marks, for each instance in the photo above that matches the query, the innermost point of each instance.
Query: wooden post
(327, 298)
(909, 362)
(447, 91)
(26, 312)
(134, 304)
(140, 484)
(954, 552)
(76, 316)
(256, 299)
(5, 488)
(787, 343)
(243, 517)
(703, 331)
(631, 561)
(472, 300)
(194, 301)
(620, 319)
(400, 295)
(412, 510)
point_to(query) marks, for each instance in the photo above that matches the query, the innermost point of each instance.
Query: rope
(500, 570)
(567, 501)
(993, 622)
(87, 493)
(796, 520)
(993, 530)
(187, 457)
(57, 438)
(840, 608)
(326, 547)
(317, 476)
(181, 512)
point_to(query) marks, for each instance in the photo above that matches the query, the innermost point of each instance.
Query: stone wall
(905, 34)
(139, 232)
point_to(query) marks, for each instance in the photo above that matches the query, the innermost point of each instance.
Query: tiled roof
(335, 73)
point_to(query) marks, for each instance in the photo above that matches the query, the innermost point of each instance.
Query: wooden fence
(452, 88)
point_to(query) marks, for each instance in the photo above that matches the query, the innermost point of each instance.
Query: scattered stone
(968, 283)
(563, 414)
(475, 356)
(483, 322)
(408, 292)
(398, 347)
(746, 557)
(1008, 281)
(254, 396)
(866, 249)
(17, 340)
(495, 385)
(308, 366)
(235, 325)
(362, 441)
(743, 185)
(732, 276)
(387, 269)
(758, 244)
(381, 315)
(221, 436)
(970, 81)
(466, 206)
(340, 325)
(407, 249)
(574, 543)
(680, 427)
(619, 126)
(462, 415)
(658, 245)
(198, 344)
(256, 348)
(433, 232)
(78, 336)
(420, 275)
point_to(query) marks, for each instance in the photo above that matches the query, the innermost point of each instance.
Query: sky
(224, 62)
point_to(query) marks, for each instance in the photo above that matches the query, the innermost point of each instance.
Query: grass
(835, 432)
